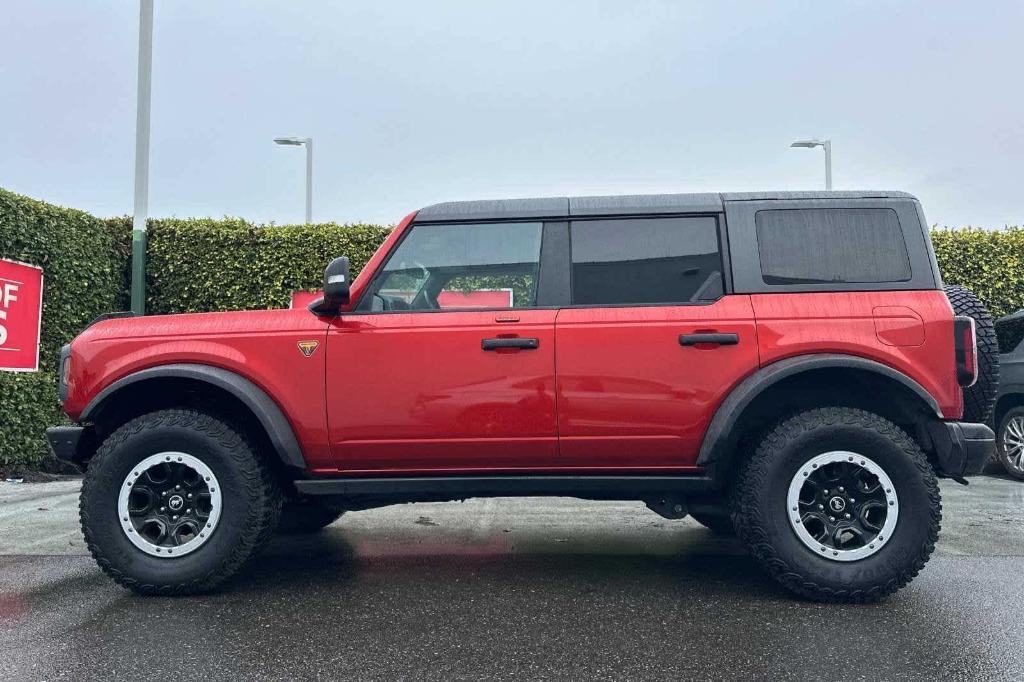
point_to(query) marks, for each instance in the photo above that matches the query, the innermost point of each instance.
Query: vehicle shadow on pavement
(334, 561)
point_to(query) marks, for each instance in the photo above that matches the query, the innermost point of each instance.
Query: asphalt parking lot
(509, 589)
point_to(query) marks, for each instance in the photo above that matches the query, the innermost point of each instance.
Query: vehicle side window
(441, 267)
(646, 261)
(846, 245)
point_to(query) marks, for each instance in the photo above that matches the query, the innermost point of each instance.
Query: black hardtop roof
(630, 204)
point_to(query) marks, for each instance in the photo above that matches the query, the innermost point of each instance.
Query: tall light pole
(138, 293)
(827, 146)
(295, 142)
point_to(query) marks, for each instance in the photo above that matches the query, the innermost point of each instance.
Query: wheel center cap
(837, 504)
(176, 502)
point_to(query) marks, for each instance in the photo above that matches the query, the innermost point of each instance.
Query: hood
(201, 324)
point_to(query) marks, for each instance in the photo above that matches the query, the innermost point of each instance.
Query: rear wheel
(838, 504)
(1010, 442)
(175, 502)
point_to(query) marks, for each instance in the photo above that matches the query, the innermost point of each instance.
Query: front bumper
(962, 448)
(70, 443)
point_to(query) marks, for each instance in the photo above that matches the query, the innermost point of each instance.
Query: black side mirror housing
(336, 288)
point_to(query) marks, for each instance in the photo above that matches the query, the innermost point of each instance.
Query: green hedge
(84, 262)
(988, 262)
(197, 265)
(203, 265)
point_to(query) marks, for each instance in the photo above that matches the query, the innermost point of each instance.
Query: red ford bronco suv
(785, 365)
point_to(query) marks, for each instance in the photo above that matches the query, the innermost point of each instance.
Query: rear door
(447, 364)
(651, 343)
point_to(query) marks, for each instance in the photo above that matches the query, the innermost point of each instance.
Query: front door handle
(716, 339)
(515, 342)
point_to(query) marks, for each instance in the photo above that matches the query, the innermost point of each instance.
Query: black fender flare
(267, 412)
(717, 437)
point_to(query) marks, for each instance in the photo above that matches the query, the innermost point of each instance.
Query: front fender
(263, 407)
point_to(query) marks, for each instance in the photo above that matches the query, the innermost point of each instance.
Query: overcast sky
(410, 103)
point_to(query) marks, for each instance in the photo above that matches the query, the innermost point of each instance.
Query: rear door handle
(520, 343)
(716, 339)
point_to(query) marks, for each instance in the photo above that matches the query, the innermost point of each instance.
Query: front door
(446, 363)
(651, 344)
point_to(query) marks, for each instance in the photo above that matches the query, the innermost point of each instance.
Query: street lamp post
(138, 290)
(308, 142)
(827, 146)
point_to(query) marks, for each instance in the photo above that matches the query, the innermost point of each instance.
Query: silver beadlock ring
(842, 511)
(173, 512)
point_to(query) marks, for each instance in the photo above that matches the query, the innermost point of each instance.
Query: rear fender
(720, 439)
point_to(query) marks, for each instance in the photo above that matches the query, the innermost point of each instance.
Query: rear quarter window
(831, 245)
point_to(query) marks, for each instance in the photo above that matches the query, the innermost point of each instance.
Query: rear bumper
(962, 448)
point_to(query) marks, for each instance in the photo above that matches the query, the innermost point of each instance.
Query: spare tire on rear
(980, 398)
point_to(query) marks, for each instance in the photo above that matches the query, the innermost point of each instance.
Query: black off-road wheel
(838, 505)
(175, 502)
(304, 516)
(979, 399)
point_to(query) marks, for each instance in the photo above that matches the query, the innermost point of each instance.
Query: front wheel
(838, 504)
(175, 501)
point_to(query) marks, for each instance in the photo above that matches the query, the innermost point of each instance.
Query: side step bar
(457, 487)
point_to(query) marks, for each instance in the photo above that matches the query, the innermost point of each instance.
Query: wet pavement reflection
(509, 589)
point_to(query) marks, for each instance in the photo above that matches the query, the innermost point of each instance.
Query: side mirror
(336, 283)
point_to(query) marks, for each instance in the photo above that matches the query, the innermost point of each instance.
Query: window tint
(437, 267)
(645, 260)
(850, 245)
(1010, 332)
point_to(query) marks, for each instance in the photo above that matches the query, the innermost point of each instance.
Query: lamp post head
(809, 144)
(827, 146)
(292, 141)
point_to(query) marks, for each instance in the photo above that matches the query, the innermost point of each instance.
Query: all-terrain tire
(306, 516)
(980, 398)
(251, 502)
(762, 519)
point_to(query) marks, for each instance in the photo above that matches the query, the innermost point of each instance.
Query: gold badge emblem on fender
(307, 347)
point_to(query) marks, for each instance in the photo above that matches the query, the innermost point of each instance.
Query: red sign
(302, 299)
(21, 313)
(481, 298)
